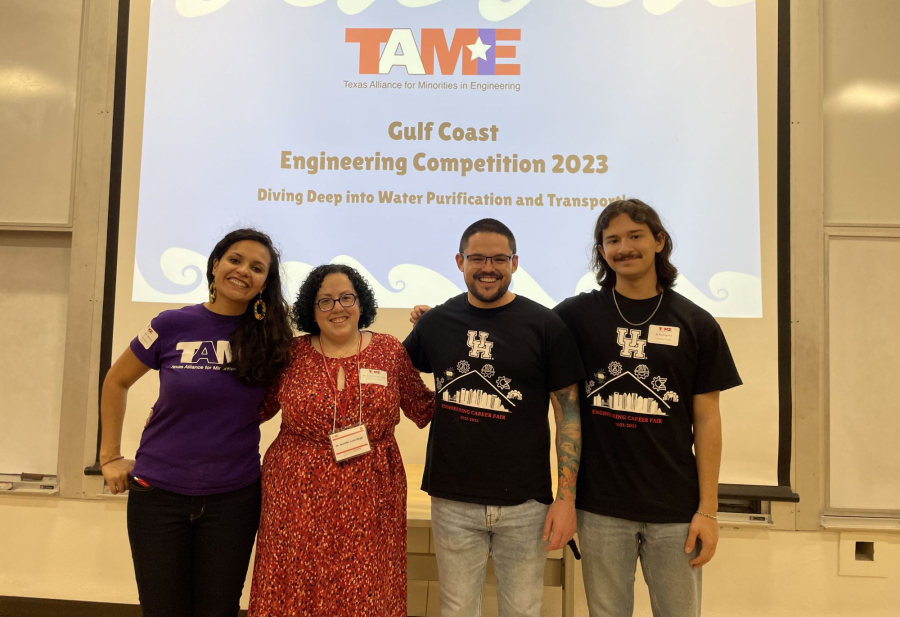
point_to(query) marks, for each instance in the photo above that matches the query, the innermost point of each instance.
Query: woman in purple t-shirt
(194, 491)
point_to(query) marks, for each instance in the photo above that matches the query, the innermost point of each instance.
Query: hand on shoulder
(417, 312)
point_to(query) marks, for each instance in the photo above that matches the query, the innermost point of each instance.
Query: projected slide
(372, 132)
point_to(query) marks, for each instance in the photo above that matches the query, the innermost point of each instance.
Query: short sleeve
(147, 345)
(564, 310)
(715, 367)
(416, 400)
(416, 349)
(271, 404)
(561, 355)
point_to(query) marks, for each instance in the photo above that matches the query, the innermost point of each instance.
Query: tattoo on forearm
(568, 440)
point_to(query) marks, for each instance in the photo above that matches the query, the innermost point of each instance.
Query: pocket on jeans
(137, 488)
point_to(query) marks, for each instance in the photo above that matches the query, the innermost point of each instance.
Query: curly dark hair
(666, 272)
(305, 305)
(259, 349)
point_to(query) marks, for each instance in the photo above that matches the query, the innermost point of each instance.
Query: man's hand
(418, 311)
(706, 530)
(560, 524)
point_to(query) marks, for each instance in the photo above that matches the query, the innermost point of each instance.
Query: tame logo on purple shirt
(381, 49)
(204, 352)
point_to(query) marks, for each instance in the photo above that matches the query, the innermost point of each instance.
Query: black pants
(191, 553)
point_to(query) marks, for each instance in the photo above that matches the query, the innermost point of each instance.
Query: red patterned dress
(332, 538)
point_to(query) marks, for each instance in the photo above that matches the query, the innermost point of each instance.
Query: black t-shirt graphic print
(489, 441)
(637, 458)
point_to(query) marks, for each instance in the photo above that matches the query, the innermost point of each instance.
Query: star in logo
(615, 369)
(503, 383)
(462, 366)
(659, 383)
(479, 49)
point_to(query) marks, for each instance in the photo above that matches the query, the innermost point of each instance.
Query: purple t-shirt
(203, 436)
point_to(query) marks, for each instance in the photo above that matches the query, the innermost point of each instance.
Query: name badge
(371, 375)
(664, 335)
(349, 442)
(147, 336)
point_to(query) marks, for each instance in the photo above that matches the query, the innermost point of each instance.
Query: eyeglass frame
(489, 258)
(335, 302)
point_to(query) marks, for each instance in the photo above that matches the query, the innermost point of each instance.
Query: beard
(493, 297)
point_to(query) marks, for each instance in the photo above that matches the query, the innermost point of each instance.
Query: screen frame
(782, 492)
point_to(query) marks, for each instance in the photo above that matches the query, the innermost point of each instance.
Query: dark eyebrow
(627, 233)
(241, 255)
(349, 291)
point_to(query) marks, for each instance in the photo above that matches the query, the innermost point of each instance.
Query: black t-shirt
(494, 369)
(637, 459)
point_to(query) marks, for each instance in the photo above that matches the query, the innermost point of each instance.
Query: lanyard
(334, 386)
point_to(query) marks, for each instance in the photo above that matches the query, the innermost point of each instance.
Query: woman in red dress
(332, 537)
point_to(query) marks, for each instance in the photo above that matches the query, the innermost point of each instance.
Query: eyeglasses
(480, 260)
(326, 304)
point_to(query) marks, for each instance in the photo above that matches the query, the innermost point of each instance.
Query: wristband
(712, 516)
(118, 458)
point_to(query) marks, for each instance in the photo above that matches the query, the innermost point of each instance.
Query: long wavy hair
(666, 272)
(259, 349)
(305, 305)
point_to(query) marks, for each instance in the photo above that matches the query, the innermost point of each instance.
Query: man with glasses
(497, 357)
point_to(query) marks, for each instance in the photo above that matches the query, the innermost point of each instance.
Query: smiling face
(240, 275)
(341, 322)
(488, 283)
(630, 249)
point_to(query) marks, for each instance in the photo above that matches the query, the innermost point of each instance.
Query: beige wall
(77, 548)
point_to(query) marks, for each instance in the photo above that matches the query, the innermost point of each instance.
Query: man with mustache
(656, 364)
(497, 357)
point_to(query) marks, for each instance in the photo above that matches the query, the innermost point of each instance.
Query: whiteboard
(39, 45)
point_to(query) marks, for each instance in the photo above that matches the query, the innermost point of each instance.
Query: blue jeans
(610, 548)
(191, 552)
(466, 533)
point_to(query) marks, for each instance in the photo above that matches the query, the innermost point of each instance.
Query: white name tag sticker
(350, 442)
(147, 336)
(371, 375)
(664, 335)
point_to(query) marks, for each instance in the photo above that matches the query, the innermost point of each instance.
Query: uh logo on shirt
(381, 49)
(204, 352)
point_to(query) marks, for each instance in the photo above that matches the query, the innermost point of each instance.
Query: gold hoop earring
(212, 292)
(259, 308)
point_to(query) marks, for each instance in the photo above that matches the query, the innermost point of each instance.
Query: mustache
(629, 256)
